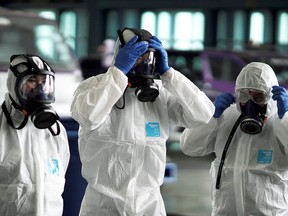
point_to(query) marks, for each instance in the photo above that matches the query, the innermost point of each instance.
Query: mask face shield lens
(258, 97)
(36, 88)
(145, 65)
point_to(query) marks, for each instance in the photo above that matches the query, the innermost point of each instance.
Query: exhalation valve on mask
(253, 118)
(251, 125)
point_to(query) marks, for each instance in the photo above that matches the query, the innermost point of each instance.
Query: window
(68, 27)
(148, 22)
(130, 17)
(189, 31)
(283, 28)
(231, 29)
(182, 30)
(164, 28)
(256, 36)
(48, 14)
(222, 22)
(112, 23)
(238, 30)
(224, 68)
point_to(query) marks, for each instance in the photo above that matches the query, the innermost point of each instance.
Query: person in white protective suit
(106, 51)
(124, 118)
(249, 136)
(33, 143)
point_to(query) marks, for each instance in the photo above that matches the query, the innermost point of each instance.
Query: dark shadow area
(75, 184)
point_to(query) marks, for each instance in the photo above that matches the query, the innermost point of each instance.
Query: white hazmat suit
(123, 151)
(254, 178)
(33, 163)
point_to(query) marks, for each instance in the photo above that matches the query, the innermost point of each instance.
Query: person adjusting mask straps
(34, 153)
(124, 118)
(142, 72)
(248, 135)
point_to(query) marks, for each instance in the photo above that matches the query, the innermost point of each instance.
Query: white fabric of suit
(33, 163)
(123, 151)
(254, 178)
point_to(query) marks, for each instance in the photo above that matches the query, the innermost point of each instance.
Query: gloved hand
(281, 96)
(222, 102)
(161, 55)
(129, 53)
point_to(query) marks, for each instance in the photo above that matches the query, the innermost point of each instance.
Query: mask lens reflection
(37, 87)
(145, 65)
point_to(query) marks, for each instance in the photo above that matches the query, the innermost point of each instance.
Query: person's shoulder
(91, 81)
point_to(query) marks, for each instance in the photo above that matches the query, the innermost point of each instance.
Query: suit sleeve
(188, 105)
(281, 130)
(95, 97)
(200, 140)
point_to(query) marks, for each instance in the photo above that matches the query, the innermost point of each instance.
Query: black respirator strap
(123, 106)
(57, 130)
(32, 67)
(232, 132)
(9, 120)
(17, 73)
(120, 35)
(30, 64)
(141, 36)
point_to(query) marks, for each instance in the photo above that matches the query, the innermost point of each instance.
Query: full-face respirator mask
(143, 73)
(254, 117)
(253, 110)
(34, 88)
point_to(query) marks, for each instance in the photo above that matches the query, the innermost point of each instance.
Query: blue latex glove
(281, 96)
(129, 53)
(161, 55)
(222, 102)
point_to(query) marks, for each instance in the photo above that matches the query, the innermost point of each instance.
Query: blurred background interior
(208, 41)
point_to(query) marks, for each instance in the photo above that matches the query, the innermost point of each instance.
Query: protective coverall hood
(259, 76)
